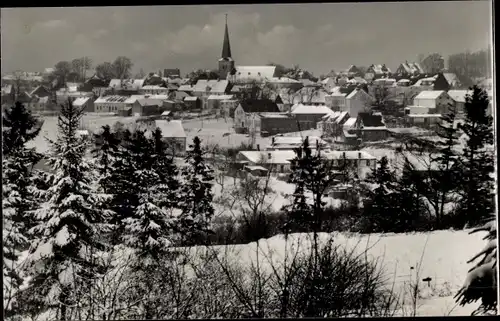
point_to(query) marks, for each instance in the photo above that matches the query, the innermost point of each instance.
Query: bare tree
(122, 66)
(105, 71)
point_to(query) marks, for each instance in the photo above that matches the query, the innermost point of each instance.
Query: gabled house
(336, 101)
(438, 101)
(420, 116)
(246, 115)
(329, 83)
(173, 133)
(377, 71)
(85, 103)
(193, 102)
(147, 107)
(446, 81)
(409, 69)
(41, 91)
(308, 116)
(357, 101)
(371, 126)
(353, 71)
(331, 124)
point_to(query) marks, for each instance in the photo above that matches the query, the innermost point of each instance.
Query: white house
(437, 100)
(357, 101)
(110, 104)
(173, 133)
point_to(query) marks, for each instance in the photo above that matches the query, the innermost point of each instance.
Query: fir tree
(149, 228)
(442, 180)
(19, 127)
(68, 226)
(196, 193)
(481, 282)
(379, 208)
(477, 163)
(105, 152)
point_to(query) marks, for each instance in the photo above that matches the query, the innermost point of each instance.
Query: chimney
(359, 155)
(343, 154)
(258, 147)
(268, 155)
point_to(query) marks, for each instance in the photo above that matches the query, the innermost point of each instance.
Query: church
(241, 74)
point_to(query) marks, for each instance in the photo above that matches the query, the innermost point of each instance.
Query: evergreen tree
(149, 228)
(379, 208)
(19, 127)
(410, 208)
(196, 193)
(481, 282)
(68, 226)
(442, 180)
(167, 171)
(105, 151)
(477, 163)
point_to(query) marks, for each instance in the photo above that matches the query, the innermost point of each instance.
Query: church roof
(258, 73)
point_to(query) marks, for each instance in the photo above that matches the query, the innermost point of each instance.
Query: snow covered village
(337, 166)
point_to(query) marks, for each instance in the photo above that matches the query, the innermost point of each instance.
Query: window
(282, 168)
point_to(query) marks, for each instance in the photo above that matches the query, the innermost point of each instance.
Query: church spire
(226, 47)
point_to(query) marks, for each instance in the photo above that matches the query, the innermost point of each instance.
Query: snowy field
(440, 255)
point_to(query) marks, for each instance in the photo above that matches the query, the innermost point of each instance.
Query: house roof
(282, 80)
(132, 99)
(269, 157)
(311, 110)
(220, 97)
(258, 73)
(297, 140)
(201, 85)
(259, 106)
(111, 99)
(350, 122)
(190, 98)
(185, 88)
(371, 119)
(172, 128)
(353, 93)
(451, 78)
(429, 94)
(336, 117)
(153, 87)
(458, 95)
(149, 102)
(80, 101)
(412, 67)
(378, 69)
(218, 86)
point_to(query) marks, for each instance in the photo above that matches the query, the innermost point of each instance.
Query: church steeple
(226, 62)
(226, 47)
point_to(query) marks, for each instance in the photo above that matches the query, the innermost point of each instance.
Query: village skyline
(314, 36)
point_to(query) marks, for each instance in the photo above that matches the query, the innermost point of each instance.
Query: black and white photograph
(265, 160)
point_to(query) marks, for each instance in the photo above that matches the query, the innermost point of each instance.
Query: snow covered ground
(440, 255)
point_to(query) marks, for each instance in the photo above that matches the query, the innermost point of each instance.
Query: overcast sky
(318, 37)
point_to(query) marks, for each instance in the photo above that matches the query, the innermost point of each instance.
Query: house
(329, 83)
(458, 97)
(110, 104)
(85, 103)
(41, 91)
(214, 101)
(422, 117)
(349, 135)
(371, 126)
(173, 133)
(336, 101)
(438, 101)
(147, 107)
(408, 69)
(352, 71)
(385, 82)
(357, 101)
(185, 88)
(426, 83)
(286, 98)
(377, 71)
(62, 96)
(446, 81)
(39, 105)
(172, 73)
(279, 161)
(246, 115)
(308, 116)
(218, 87)
(228, 106)
(331, 125)
(153, 90)
(293, 142)
(313, 97)
(274, 124)
(180, 95)
(193, 103)
(284, 82)
(250, 74)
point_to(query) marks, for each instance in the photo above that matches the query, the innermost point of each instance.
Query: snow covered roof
(351, 154)
(190, 98)
(350, 122)
(282, 80)
(111, 99)
(220, 97)
(269, 157)
(149, 102)
(336, 117)
(458, 95)
(185, 88)
(218, 86)
(451, 78)
(297, 140)
(153, 87)
(132, 99)
(310, 109)
(424, 115)
(355, 92)
(257, 72)
(429, 94)
(172, 128)
(166, 113)
(80, 101)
